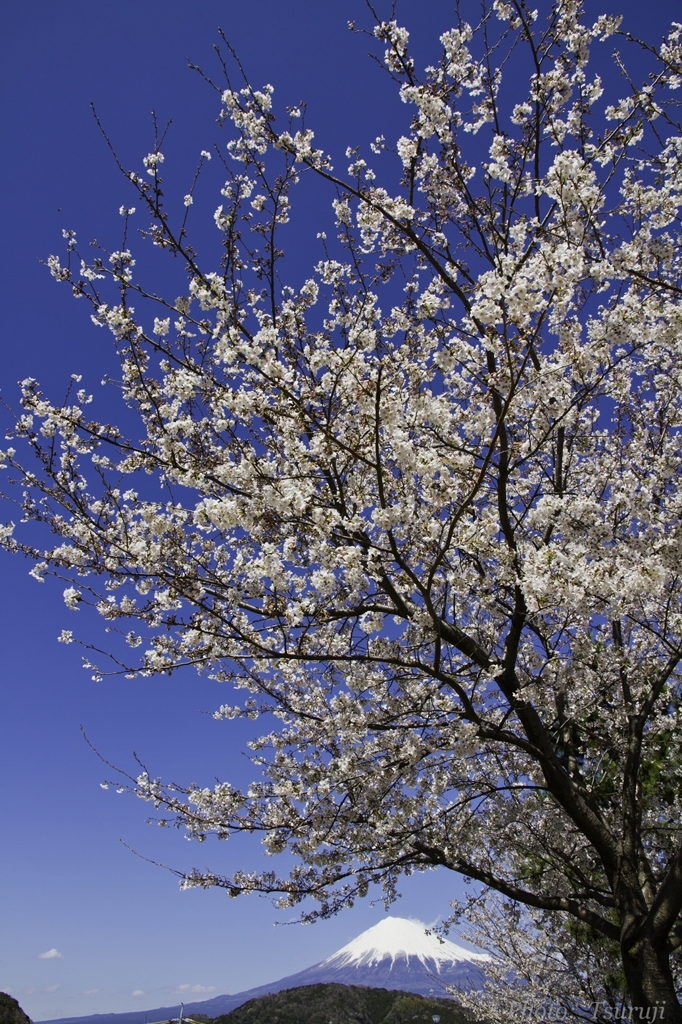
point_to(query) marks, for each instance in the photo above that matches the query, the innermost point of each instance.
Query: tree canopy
(422, 510)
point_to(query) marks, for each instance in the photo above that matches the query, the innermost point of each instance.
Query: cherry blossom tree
(547, 966)
(422, 510)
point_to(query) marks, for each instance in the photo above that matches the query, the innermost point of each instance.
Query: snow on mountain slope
(397, 953)
(395, 938)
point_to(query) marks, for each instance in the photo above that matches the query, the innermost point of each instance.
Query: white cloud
(91, 992)
(51, 954)
(52, 988)
(138, 992)
(182, 989)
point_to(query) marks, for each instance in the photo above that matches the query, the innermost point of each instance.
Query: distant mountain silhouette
(394, 954)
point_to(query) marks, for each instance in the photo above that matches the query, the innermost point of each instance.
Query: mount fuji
(395, 954)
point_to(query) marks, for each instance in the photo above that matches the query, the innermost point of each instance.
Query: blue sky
(119, 924)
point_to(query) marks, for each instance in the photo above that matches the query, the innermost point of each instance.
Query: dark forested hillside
(341, 1004)
(11, 1012)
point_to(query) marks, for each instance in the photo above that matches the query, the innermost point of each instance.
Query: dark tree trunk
(650, 983)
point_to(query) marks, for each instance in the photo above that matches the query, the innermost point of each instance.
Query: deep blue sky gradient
(120, 924)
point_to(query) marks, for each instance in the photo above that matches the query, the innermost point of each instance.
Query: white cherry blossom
(423, 510)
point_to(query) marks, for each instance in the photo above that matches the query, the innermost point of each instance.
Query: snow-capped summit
(398, 938)
(397, 953)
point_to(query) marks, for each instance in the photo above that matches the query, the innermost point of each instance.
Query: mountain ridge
(339, 1004)
(394, 954)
